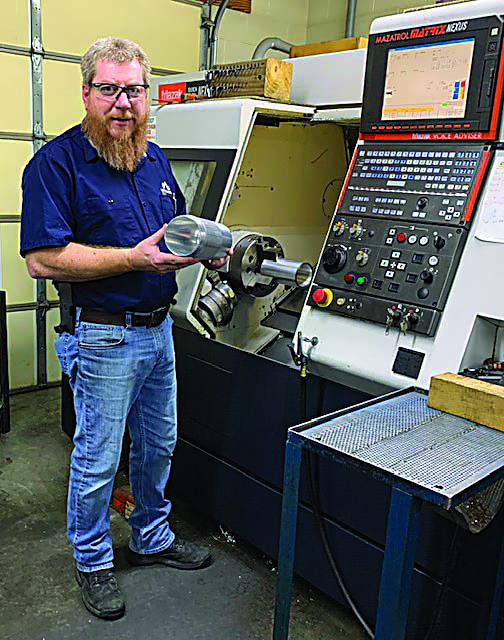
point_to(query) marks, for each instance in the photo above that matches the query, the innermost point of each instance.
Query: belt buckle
(156, 317)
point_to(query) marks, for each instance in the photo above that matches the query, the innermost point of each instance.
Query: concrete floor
(39, 600)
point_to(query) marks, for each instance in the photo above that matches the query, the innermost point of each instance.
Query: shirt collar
(90, 153)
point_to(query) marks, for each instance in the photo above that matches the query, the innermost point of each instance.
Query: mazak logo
(171, 92)
(165, 189)
(171, 96)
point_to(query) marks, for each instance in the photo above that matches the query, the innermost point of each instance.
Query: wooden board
(237, 5)
(479, 401)
(268, 78)
(331, 46)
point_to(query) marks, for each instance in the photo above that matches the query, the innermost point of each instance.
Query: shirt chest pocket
(108, 221)
(168, 207)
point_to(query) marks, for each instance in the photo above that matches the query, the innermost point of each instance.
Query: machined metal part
(297, 274)
(189, 235)
(219, 304)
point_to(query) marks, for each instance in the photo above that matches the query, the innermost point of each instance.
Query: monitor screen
(428, 82)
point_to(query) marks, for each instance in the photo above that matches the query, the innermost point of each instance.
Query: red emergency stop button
(401, 237)
(322, 297)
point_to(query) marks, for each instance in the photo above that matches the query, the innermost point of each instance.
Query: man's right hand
(146, 256)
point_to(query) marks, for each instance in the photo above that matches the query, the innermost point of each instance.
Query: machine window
(194, 178)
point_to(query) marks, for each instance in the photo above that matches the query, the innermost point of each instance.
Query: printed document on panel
(491, 219)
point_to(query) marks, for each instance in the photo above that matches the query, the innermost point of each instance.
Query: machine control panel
(387, 311)
(395, 242)
(411, 181)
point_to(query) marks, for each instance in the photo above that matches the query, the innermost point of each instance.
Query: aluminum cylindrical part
(297, 274)
(197, 237)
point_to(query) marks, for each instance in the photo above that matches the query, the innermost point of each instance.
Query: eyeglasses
(113, 91)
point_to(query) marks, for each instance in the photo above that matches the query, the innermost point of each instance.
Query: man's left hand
(217, 263)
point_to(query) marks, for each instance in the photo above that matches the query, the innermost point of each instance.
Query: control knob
(427, 276)
(396, 314)
(439, 242)
(362, 257)
(339, 227)
(356, 230)
(413, 318)
(334, 258)
(422, 202)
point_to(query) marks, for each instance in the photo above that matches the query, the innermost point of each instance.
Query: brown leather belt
(152, 319)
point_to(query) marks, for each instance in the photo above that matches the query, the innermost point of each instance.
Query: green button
(361, 281)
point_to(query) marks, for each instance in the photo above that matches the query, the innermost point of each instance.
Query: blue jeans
(119, 375)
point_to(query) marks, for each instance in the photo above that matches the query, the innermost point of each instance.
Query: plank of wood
(331, 46)
(268, 78)
(476, 400)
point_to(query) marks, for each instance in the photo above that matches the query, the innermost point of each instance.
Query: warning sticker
(151, 128)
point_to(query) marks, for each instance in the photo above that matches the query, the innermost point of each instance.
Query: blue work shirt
(71, 195)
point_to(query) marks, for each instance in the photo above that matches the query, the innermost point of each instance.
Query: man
(95, 203)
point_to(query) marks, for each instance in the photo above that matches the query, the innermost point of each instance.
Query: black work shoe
(180, 554)
(101, 594)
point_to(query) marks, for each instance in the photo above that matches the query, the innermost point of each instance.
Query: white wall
(298, 22)
(240, 33)
(327, 18)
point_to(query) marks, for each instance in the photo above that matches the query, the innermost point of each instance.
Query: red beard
(122, 153)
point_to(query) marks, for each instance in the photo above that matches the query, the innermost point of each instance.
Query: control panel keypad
(411, 183)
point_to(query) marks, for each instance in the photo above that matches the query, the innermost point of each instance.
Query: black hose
(325, 543)
(317, 512)
(450, 565)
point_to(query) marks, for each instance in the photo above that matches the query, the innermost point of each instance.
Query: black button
(377, 284)
(492, 47)
(423, 293)
(394, 287)
(417, 258)
(411, 277)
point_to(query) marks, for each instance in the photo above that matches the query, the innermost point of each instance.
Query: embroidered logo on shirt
(165, 189)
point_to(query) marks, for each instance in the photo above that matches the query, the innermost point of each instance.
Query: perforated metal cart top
(424, 454)
(439, 457)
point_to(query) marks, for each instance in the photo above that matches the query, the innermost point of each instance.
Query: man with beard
(96, 201)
